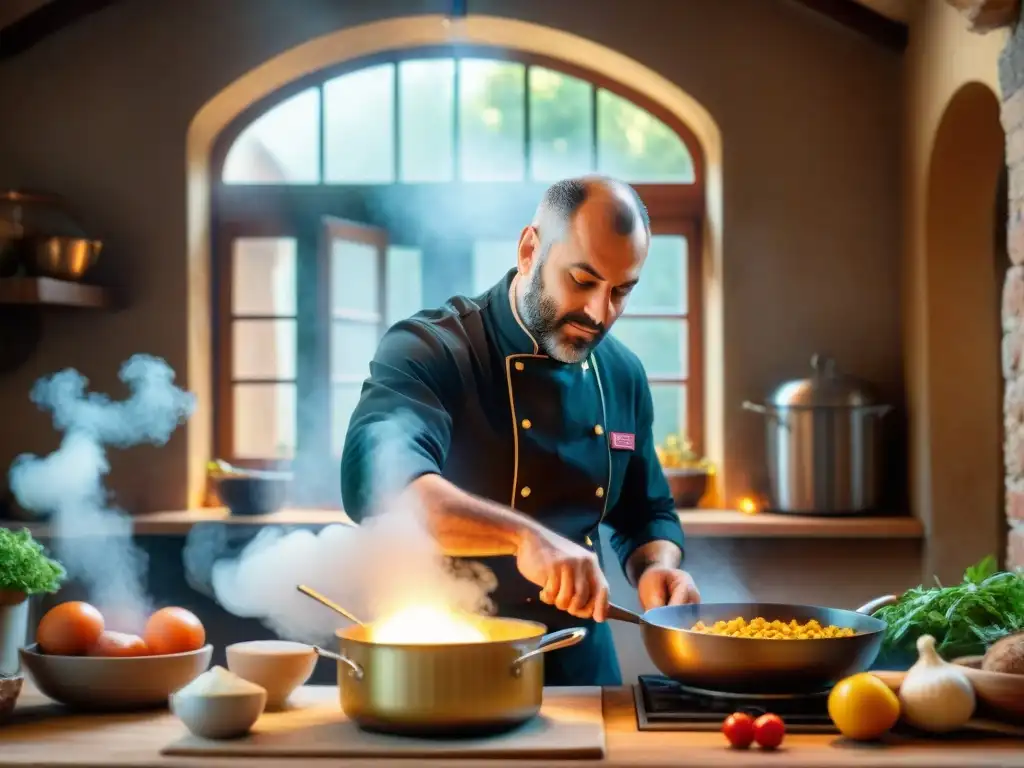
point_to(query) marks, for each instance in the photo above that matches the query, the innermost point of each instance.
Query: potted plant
(688, 474)
(25, 570)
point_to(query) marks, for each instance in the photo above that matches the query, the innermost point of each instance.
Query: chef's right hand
(569, 575)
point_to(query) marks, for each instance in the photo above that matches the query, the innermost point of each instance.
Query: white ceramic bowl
(219, 715)
(278, 666)
(113, 683)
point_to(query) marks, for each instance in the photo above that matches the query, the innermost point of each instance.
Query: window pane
(354, 276)
(282, 146)
(264, 421)
(662, 286)
(426, 123)
(404, 283)
(669, 411)
(359, 120)
(561, 125)
(263, 349)
(344, 399)
(491, 260)
(660, 344)
(352, 347)
(263, 276)
(635, 146)
(492, 120)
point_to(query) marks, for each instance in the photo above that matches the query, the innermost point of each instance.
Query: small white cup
(219, 716)
(278, 666)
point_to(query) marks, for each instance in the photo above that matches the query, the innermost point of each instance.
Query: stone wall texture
(1011, 77)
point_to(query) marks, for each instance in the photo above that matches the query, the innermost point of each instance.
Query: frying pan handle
(563, 638)
(879, 602)
(355, 670)
(618, 613)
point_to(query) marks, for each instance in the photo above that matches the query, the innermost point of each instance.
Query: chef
(525, 426)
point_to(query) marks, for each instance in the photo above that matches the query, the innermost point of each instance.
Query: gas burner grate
(665, 705)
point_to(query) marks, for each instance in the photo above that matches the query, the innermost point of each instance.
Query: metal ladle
(354, 669)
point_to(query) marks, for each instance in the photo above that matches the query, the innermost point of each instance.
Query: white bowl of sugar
(219, 705)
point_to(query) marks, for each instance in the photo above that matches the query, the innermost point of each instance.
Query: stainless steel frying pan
(750, 665)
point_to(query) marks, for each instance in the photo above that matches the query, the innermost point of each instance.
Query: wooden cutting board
(570, 726)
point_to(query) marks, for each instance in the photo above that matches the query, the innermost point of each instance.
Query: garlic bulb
(935, 695)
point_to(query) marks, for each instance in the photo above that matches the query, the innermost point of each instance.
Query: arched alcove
(360, 42)
(965, 268)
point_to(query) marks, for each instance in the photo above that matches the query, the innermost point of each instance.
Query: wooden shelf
(36, 291)
(727, 523)
(699, 523)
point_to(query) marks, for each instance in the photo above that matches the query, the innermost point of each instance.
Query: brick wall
(1011, 82)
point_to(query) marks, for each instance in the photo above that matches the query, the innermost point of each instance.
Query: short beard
(539, 314)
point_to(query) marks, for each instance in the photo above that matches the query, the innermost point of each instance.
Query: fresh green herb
(965, 619)
(24, 565)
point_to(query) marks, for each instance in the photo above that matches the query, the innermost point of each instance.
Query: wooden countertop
(700, 523)
(134, 741)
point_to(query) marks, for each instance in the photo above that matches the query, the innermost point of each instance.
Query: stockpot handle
(354, 670)
(768, 412)
(879, 602)
(563, 638)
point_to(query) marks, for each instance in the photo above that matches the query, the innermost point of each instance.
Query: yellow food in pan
(762, 629)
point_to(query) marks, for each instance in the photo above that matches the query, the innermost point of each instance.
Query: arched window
(350, 200)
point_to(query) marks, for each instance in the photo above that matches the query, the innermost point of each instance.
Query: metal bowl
(63, 258)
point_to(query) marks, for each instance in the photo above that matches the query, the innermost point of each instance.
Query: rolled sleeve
(645, 511)
(408, 400)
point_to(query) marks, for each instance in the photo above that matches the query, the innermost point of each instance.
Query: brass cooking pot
(450, 688)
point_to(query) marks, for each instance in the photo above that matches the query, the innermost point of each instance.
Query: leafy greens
(24, 565)
(964, 618)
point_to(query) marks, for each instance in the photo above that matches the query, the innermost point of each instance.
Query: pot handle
(768, 412)
(879, 602)
(563, 638)
(355, 670)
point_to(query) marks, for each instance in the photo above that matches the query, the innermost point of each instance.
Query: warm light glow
(425, 625)
(747, 506)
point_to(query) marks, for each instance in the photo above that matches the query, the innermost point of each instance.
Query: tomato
(119, 644)
(739, 729)
(769, 730)
(174, 630)
(69, 629)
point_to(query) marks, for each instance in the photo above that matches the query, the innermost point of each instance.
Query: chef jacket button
(525, 491)
(600, 492)
(598, 429)
(527, 423)
(520, 366)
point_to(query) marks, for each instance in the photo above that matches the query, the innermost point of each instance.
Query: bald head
(615, 203)
(580, 258)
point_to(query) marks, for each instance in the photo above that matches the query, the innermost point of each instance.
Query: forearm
(663, 554)
(466, 525)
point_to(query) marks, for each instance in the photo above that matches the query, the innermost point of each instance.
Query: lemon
(863, 707)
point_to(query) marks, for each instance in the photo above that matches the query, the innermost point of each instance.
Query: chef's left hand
(660, 586)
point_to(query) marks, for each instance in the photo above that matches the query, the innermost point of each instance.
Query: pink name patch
(623, 441)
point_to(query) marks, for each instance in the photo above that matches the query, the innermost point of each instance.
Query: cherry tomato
(769, 730)
(739, 729)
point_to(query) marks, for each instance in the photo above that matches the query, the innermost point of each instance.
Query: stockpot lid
(825, 388)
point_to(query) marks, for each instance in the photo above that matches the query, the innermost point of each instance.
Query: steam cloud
(92, 538)
(389, 562)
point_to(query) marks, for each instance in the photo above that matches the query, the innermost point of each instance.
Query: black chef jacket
(570, 445)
